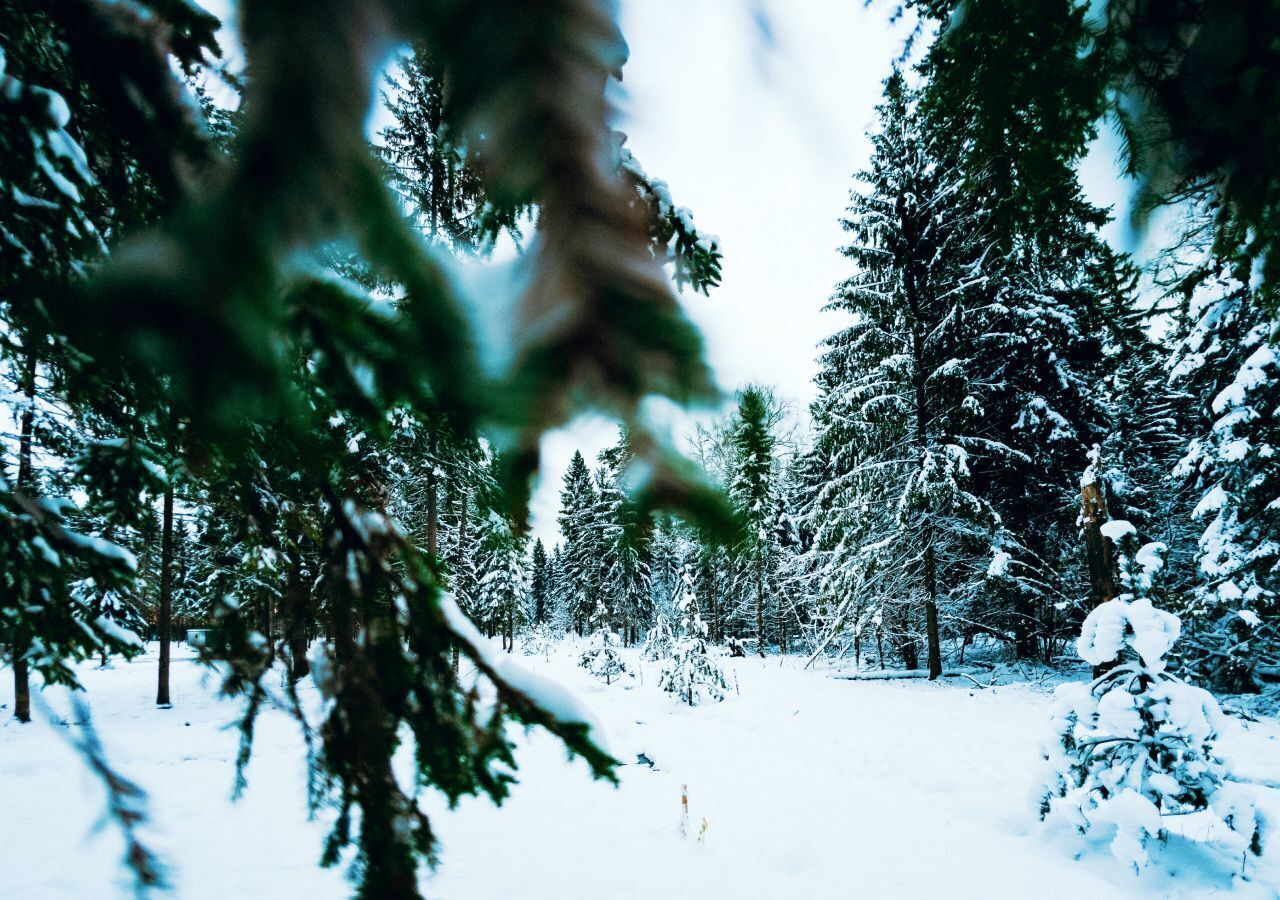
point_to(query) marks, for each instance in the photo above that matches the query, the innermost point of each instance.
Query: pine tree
(1015, 96)
(580, 559)
(625, 536)
(503, 587)
(540, 578)
(753, 489)
(1138, 743)
(900, 410)
(436, 178)
(690, 672)
(601, 657)
(1226, 362)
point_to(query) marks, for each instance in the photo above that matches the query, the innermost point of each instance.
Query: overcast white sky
(759, 138)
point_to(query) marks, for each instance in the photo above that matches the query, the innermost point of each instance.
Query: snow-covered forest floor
(809, 786)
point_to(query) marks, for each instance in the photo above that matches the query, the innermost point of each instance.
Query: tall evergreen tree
(900, 409)
(580, 558)
(437, 178)
(1015, 97)
(754, 491)
(540, 578)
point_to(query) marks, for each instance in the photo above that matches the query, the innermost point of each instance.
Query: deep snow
(809, 786)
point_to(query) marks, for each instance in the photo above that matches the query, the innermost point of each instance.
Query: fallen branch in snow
(896, 674)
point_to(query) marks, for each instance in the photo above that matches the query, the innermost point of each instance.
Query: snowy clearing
(809, 786)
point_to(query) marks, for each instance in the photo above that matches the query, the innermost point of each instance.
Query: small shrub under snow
(602, 657)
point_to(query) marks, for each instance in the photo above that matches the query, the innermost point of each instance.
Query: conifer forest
(404, 495)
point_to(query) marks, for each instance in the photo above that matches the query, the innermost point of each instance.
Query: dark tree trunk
(717, 620)
(462, 554)
(1097, 549)
(26, 484)
(929, 562)
(760, 605)
(165, 618)
(342, 615)
(21, 688)
(298, 612)
(909, 652)
(931, 611)
(433, 515)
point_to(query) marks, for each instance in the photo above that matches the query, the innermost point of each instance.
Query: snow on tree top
(1117, 529)
(1117, 623)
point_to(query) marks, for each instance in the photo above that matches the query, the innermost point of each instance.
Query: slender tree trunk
(717, 620)
(931, 610)
(298, 612)
(930, 563)
(760, 604)
(21, 688)
(782, 627)
(166, 570)
(462, 554)
(26, 484)
(432, 503)
(462, 532)
(341, 616)
(1097, 549)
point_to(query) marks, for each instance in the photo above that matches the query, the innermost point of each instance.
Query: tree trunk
(166, 571)
(909, 653)
(760, 605)
(298, 611)
(931, 609)
(432, 504)
(782, 626)
(21, 688)
(717, 620)
(1097, 549)
(26, 483)
(462, 557)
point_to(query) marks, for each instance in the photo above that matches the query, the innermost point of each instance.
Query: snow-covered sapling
(602, 657)
(691, 673)
(538, 641)
(1137, 744)
(660, 642)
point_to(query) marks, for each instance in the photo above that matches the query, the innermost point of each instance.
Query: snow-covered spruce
(1137, 744)
(601, 657)
(660, 641)
(691, 673)
(538, 641)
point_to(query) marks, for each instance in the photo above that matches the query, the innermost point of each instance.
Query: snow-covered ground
(808, 786)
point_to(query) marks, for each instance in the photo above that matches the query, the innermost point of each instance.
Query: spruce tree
(1014, 96)
(753, 489)
(900, 410)
(580, 558)
(540, 584)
